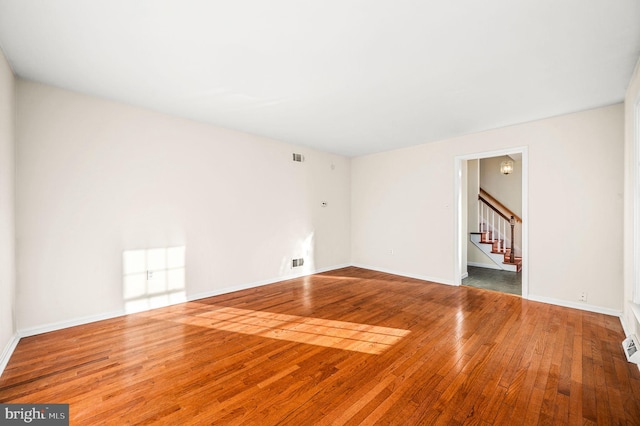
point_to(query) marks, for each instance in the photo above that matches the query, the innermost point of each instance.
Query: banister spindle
(504, 235)
(493, 226)
(486, 219)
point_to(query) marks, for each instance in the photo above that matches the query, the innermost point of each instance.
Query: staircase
(495, 249)
(495, 236)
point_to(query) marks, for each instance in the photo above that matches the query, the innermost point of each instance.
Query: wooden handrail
(488, 204)
(491, 201)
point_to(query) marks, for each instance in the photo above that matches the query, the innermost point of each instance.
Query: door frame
(525, 210)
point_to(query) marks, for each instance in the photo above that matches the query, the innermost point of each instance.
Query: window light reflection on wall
(153, 278)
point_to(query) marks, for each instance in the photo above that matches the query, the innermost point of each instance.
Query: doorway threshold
(494, 279)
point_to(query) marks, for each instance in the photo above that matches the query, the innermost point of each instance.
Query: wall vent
(298, 157)
(297, 262)
(631, 349)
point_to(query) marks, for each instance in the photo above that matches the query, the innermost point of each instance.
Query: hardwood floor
(350, 346)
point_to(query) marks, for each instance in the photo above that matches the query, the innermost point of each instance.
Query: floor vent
(297, 262)
(631, 349)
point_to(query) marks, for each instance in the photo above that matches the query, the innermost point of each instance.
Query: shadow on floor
(494, 279)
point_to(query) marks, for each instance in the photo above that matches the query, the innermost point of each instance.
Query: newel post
(512, 222)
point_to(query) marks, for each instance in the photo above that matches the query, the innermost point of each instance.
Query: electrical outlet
(582, 297)
(149, 275)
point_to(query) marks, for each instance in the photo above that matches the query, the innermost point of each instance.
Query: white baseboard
(331, 268)
(46, 328)
(625, 328)
(8, 351)
(575, 305)
(32, 331)
(246, 286)
(230, 289)
(465, 275)
(535, 298)
(405, 274)
(485, 265)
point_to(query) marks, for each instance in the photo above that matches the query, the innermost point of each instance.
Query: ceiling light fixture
(506, 166)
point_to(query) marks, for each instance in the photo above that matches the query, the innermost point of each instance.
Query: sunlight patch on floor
(349, 336)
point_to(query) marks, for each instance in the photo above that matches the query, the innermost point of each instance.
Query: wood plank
(349, 346)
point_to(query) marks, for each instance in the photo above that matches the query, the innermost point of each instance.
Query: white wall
(7, 205)
(631, 257)
(404, 200)
(505, 188)
(95, 178)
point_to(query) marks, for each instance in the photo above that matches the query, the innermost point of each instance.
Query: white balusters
(494, 226)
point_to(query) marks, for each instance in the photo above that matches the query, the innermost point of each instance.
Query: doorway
(469, 266)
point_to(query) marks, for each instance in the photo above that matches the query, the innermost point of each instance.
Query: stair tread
(502, 251)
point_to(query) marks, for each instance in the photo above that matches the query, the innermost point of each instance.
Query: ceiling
(348, 77)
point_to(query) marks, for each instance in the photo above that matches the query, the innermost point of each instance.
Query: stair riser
(497, 258)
